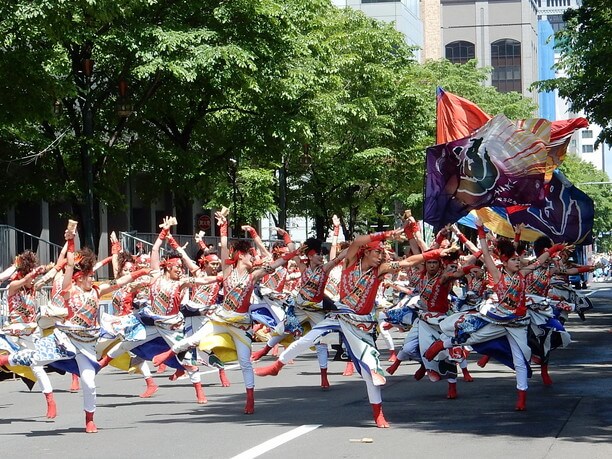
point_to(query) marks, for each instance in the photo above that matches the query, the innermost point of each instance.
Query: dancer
(353, 318)
(232, 316)
(503, 314)
(72, 344)
(22, 331)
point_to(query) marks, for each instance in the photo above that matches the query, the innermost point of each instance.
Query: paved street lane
(295, 418)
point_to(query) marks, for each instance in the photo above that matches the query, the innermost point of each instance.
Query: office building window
(506, 62)
(459, 52)
(587, 134)
(587, 149)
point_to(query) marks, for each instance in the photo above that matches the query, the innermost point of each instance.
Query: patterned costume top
(358, 288)
(434, 292)
(510, 291)
(237, 292)
(276, 280)
(333, 283)
(206, 295)
(313, 284)
(477, 284)
(293, 282)
(538, 281)
(83, 306)
(122, 301)
(165, 296)
(22, 307)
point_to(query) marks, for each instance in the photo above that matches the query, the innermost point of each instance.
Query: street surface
(294, 417)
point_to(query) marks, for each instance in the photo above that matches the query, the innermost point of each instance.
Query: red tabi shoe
(434, 350)
(452, 391)
(521, 401)
(104, 361)
(202, 400)
(546, 379)
(223, 378)
(90, 427)
(467, 377)
(256, 355)
(324, 382)
(177, 374)
(392, 356)
(75, 385)
(249, 408)
(379, 417)
(161, 358)
(393, 368)
(349, 370)
(420, 373)
(270, 370)
(151, 388)
(482, 362)
(51, 406)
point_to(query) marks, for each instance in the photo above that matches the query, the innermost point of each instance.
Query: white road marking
(276, 441)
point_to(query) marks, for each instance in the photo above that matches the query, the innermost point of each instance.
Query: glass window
(587, 149)
(506, 63)
(459, 52)
(587, 134)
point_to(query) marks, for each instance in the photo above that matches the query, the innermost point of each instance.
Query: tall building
(501, 34)
(405, 14)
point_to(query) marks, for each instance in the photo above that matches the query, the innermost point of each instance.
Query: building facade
(404, 14)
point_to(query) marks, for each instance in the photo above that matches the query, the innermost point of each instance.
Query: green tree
(585, 63)
(584, 175)
(189, 80)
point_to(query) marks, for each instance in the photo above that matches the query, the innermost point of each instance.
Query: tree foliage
(585, 176)
(222, 101)
(585, 63)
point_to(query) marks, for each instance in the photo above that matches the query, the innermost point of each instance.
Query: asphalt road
(294, 417)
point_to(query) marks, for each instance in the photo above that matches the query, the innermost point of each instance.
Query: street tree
(585, 63)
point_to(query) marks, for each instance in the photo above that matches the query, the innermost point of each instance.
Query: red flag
(456, 117)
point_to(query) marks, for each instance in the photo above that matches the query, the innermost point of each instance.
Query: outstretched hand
(167, 222)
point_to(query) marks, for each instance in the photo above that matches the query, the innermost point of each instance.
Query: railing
(14, 241)
(3, 306)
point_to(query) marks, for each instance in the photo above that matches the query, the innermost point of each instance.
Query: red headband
(76, 276)
(209, 259)
(233, 259)
(170, 262)
(505, 258)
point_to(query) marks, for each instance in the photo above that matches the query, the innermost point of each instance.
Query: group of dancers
(454, 297)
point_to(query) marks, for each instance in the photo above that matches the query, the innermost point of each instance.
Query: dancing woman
(503, 314)
(353, 318)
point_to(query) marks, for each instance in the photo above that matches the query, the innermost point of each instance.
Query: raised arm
(486, 255)
(222, 224)
(333, 262)
(192, 266)
(165, 230)
(69, 268)
(364, 239)
(257, 241)
(115, 249)
(122, 281)
(412, 231)
(334, 242)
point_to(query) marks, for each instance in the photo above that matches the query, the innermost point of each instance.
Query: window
(587, 134)
(459, 52)
(587, 149)
(506, 62)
